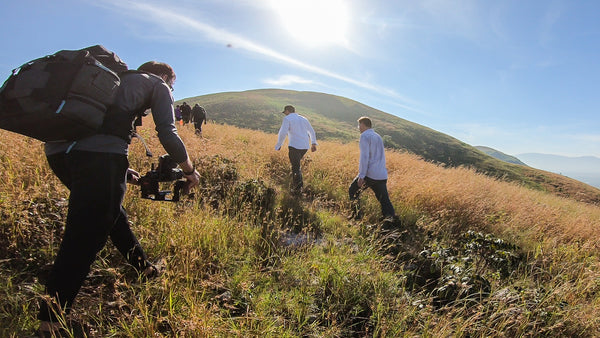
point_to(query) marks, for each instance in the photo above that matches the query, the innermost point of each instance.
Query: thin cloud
(591, 138)
(286, 80)
(548, 22)
(168, 19)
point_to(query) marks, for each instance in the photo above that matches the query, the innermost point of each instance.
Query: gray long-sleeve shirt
(135, 91)
(372, 156)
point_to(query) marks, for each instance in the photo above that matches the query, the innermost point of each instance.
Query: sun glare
(314, 22)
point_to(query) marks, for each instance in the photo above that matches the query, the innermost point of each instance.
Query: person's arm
(363, 162)
(312, 135)
(285, 126)
(164, 119)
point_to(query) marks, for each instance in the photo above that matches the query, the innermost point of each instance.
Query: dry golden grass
(208, 250)
(466, 198)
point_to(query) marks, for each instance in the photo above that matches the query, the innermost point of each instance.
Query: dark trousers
(379, 187)
(97, 185)
(295, 156)
(198, 125)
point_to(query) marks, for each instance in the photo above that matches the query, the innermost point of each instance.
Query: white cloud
(286, 80)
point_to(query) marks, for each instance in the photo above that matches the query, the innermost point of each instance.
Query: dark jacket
(198, 114)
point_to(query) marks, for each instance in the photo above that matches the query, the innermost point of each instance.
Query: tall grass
(244, 258)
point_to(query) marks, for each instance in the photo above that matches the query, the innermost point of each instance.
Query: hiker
(95, 170)
(300, 135)
(198, 116)
(186, 112)
(178, 113)
(372, 172)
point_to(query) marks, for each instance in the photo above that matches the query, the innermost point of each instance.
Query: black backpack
(63, 96)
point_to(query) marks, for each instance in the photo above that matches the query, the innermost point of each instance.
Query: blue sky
(517, 76)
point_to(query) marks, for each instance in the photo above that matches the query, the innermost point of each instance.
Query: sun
(314, 22)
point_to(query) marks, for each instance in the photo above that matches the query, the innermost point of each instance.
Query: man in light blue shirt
(300, 136)
(372, 172)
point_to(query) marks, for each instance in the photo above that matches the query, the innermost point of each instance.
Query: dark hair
(366, 121)
(159, 69)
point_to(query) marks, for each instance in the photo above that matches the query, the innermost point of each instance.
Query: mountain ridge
(500, 155)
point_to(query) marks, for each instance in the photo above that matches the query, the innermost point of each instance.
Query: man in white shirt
(300, 136)
(372, 172)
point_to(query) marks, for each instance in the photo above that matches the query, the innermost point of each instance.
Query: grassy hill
(471, 256)
(334, 118)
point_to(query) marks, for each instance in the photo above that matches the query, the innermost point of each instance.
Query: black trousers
(198, 125)
(379, 187)
(295, 156)
(97, 185)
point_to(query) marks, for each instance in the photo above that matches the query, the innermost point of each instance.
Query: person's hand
(192, 179)
(313, 148)
(133, 176)
(190, 174)
(361, 182)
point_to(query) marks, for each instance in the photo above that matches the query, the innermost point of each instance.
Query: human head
(364, 123)
(160, 69)
(288, 110)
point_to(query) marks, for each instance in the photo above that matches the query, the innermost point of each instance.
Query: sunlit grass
(298, 267)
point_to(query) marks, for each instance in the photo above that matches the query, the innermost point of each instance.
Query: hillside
(500, 155)
(470, 256)
(334, 118)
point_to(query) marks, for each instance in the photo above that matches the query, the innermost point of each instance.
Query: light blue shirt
(372, 156)
(298, 130)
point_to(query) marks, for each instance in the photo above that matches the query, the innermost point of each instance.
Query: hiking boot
(50, 329)
(355, 216)
(390, 222)
(57, 330)
(155, 270)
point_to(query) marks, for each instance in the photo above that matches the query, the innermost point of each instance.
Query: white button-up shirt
(372, 156)
(299, 130)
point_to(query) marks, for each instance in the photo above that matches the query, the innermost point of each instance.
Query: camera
(166, 171)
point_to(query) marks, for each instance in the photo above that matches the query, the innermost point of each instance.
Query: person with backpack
(95, 170)
(186, 112)
(301, 137)
(372, 172)
(198, 116)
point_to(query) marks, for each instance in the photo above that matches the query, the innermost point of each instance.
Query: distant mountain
(500, 155)
(585, 168)
(335, 118)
